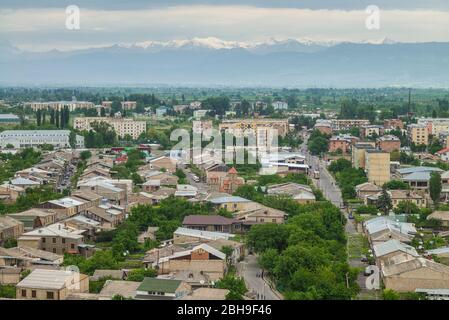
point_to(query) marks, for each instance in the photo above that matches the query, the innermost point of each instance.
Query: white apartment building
(59, 105)
(280, 105)
(122, 126)
(129, 105)
(35, 138)
(435, 125)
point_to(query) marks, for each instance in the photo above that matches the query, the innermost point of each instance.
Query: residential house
(10, 228)
(44, 284)
(35, 218)
(162, 289)
(201, 258)
(442, 216)
(398, 196)
(207, 294)
(382, 229)
(388, 143)
(393, 124)
(57, 238)
(415, 274)
(392, 252)
(126, 289)
(418, 177)
(367, 189)
(186, 191)
(66, 207)
(233, 203)
(443, 154)
(26, 257)
(188, 235)
(9, 193)
(24, 183)
(371, 130)
(323, 126)
(215, 173)
(262, 214)
(9, 276)
(109, 216)
(164, 162)
(300, 193)
(213, 223)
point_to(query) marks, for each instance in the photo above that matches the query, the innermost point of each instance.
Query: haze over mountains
(212, 61)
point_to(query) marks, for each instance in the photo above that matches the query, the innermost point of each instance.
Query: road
(249, 270)
(327, 185)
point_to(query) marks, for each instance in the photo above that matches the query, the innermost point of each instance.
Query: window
(43, 240)
(63, 240)
(72, 246)
(24, 293)
(33, 293)
(54, 240)
(50, 295)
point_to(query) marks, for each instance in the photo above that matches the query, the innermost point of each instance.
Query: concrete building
(10, 228)
(162, 289)
(264, 130)
(43, 284)
(323, 126)
(393, 124)
(59, 105)
(280, 105)
(358, 154)
(415, 274)
(370, 130)
(35, 138)
(122, 126)
(129, 105)
(418, 134)
(9, 118)
(377, 166)
(388, 143)
(345, 124)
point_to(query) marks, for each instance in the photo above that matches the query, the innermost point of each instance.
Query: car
(364, 258)
(351, 216)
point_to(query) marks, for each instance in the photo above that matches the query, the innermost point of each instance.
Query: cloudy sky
(40, 25)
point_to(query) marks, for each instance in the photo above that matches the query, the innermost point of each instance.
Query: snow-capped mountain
(213, 61)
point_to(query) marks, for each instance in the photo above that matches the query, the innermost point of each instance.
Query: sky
(40, 25)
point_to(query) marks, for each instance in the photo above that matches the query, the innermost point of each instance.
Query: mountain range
(212, 61)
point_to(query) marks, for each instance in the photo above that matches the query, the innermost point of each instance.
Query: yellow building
(418, 134)
(122, 126)
(358, 154)
(46, 284)
(377, 166)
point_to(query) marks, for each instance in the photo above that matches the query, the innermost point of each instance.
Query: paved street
(249, 269)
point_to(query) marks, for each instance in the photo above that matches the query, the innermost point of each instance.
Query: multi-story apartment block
(122, 126)
(323, 126)
(345, 124)
(358, 154)
(264, 130)
(388, 143)
(204, 127)
(418, 134)
(393, 124)
(59, 105)
(280, 105)
(370, 130)
(35, 138)
(377, 166)
(435, 125)
(129, 105)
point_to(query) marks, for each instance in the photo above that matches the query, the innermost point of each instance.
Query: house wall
(424, 278)
(214, 268)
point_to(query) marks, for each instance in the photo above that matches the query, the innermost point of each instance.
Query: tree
(435, 186)
(397, 185)
(86, 154)
(236, 286)
(103, 112)
(384, 202)
(266, 236)
(389, 294)
(57, 118)
(38, 118)
(139, 274)
(406, 207)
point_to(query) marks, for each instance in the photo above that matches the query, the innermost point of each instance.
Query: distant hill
(212, 61)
